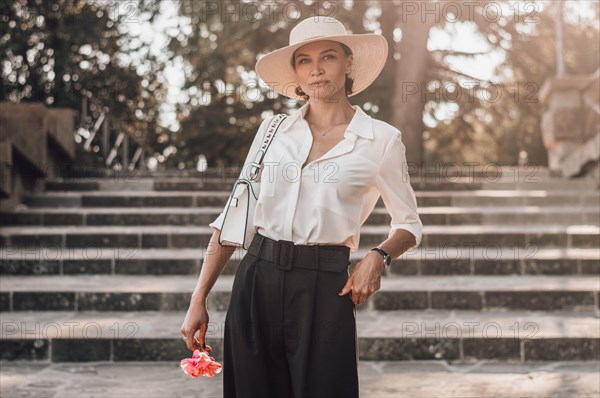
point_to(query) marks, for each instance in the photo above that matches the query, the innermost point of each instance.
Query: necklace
(323, 132)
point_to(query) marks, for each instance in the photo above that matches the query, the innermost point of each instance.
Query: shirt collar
(361, 124)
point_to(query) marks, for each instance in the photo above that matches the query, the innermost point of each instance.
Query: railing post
(107, 151)
(142, 160)
(125, 151)
(105, 138)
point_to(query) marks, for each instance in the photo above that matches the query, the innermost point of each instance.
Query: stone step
(377, 379)
(218, 198)
(197, 184)
(173, 292)
(391, 335)
(220, 182)
(454, 170)
(441, 261)
(435, 215)
(167, 236)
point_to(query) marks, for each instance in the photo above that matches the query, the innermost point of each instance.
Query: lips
(319, 82)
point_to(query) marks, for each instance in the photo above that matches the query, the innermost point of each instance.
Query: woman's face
(322, 60)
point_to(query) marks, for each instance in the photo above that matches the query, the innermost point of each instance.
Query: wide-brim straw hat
(369, 50)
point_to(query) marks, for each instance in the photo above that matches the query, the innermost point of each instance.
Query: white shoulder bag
(238, 226)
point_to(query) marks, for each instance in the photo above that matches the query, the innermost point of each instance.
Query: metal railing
(102, 136)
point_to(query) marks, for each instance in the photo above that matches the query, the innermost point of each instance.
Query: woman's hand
(365, 279)
(196, 319)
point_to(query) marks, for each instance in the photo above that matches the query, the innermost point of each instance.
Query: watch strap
(386, 256)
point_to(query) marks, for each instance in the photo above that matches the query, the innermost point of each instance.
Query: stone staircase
(102, 269)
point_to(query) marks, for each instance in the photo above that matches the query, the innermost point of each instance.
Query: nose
(317, 70)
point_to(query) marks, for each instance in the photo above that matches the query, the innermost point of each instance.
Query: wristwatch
(387, 260)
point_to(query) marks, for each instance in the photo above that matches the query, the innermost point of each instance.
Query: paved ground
(378, 379)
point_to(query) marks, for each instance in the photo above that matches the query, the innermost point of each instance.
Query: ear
(349, 61)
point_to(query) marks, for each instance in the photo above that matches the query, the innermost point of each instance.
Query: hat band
(310, 38)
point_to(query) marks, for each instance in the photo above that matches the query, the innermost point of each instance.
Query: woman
(289, 330)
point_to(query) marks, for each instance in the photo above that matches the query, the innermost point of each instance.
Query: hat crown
(314, 27)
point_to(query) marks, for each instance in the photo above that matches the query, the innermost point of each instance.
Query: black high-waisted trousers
(287, 332)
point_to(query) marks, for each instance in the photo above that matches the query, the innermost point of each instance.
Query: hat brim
(370, 53)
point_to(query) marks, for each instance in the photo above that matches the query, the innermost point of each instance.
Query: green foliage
(57, 51)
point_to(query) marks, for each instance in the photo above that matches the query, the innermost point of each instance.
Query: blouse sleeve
(393, 183)
(218, 222)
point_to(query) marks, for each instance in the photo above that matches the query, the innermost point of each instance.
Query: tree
(58, 51)
(490, 120)
(496, 119)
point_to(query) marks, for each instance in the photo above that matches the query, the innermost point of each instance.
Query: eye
(301, 61)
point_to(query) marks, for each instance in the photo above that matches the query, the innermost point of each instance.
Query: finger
(359, 298)
(364, 298)
(347, 287)
(198, 344)
(201, 343)
(202, 336)
(354, 296)
(189, 341)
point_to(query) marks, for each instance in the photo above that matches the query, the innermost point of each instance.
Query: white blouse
(328, 200)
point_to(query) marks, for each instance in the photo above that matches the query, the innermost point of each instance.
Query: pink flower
(201, 364)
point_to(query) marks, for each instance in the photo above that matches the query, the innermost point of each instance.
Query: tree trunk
(408, 105)
(390, 13)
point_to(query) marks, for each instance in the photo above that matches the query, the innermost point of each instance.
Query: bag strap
(269, 134)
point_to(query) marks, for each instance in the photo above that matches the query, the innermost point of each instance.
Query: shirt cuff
(414, 229)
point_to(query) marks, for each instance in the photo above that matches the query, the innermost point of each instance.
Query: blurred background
(463, 80)
(123, 126)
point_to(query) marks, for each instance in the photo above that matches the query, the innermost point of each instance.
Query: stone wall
(35, 142)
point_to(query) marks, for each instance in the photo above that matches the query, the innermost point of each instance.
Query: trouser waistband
(287, 255)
